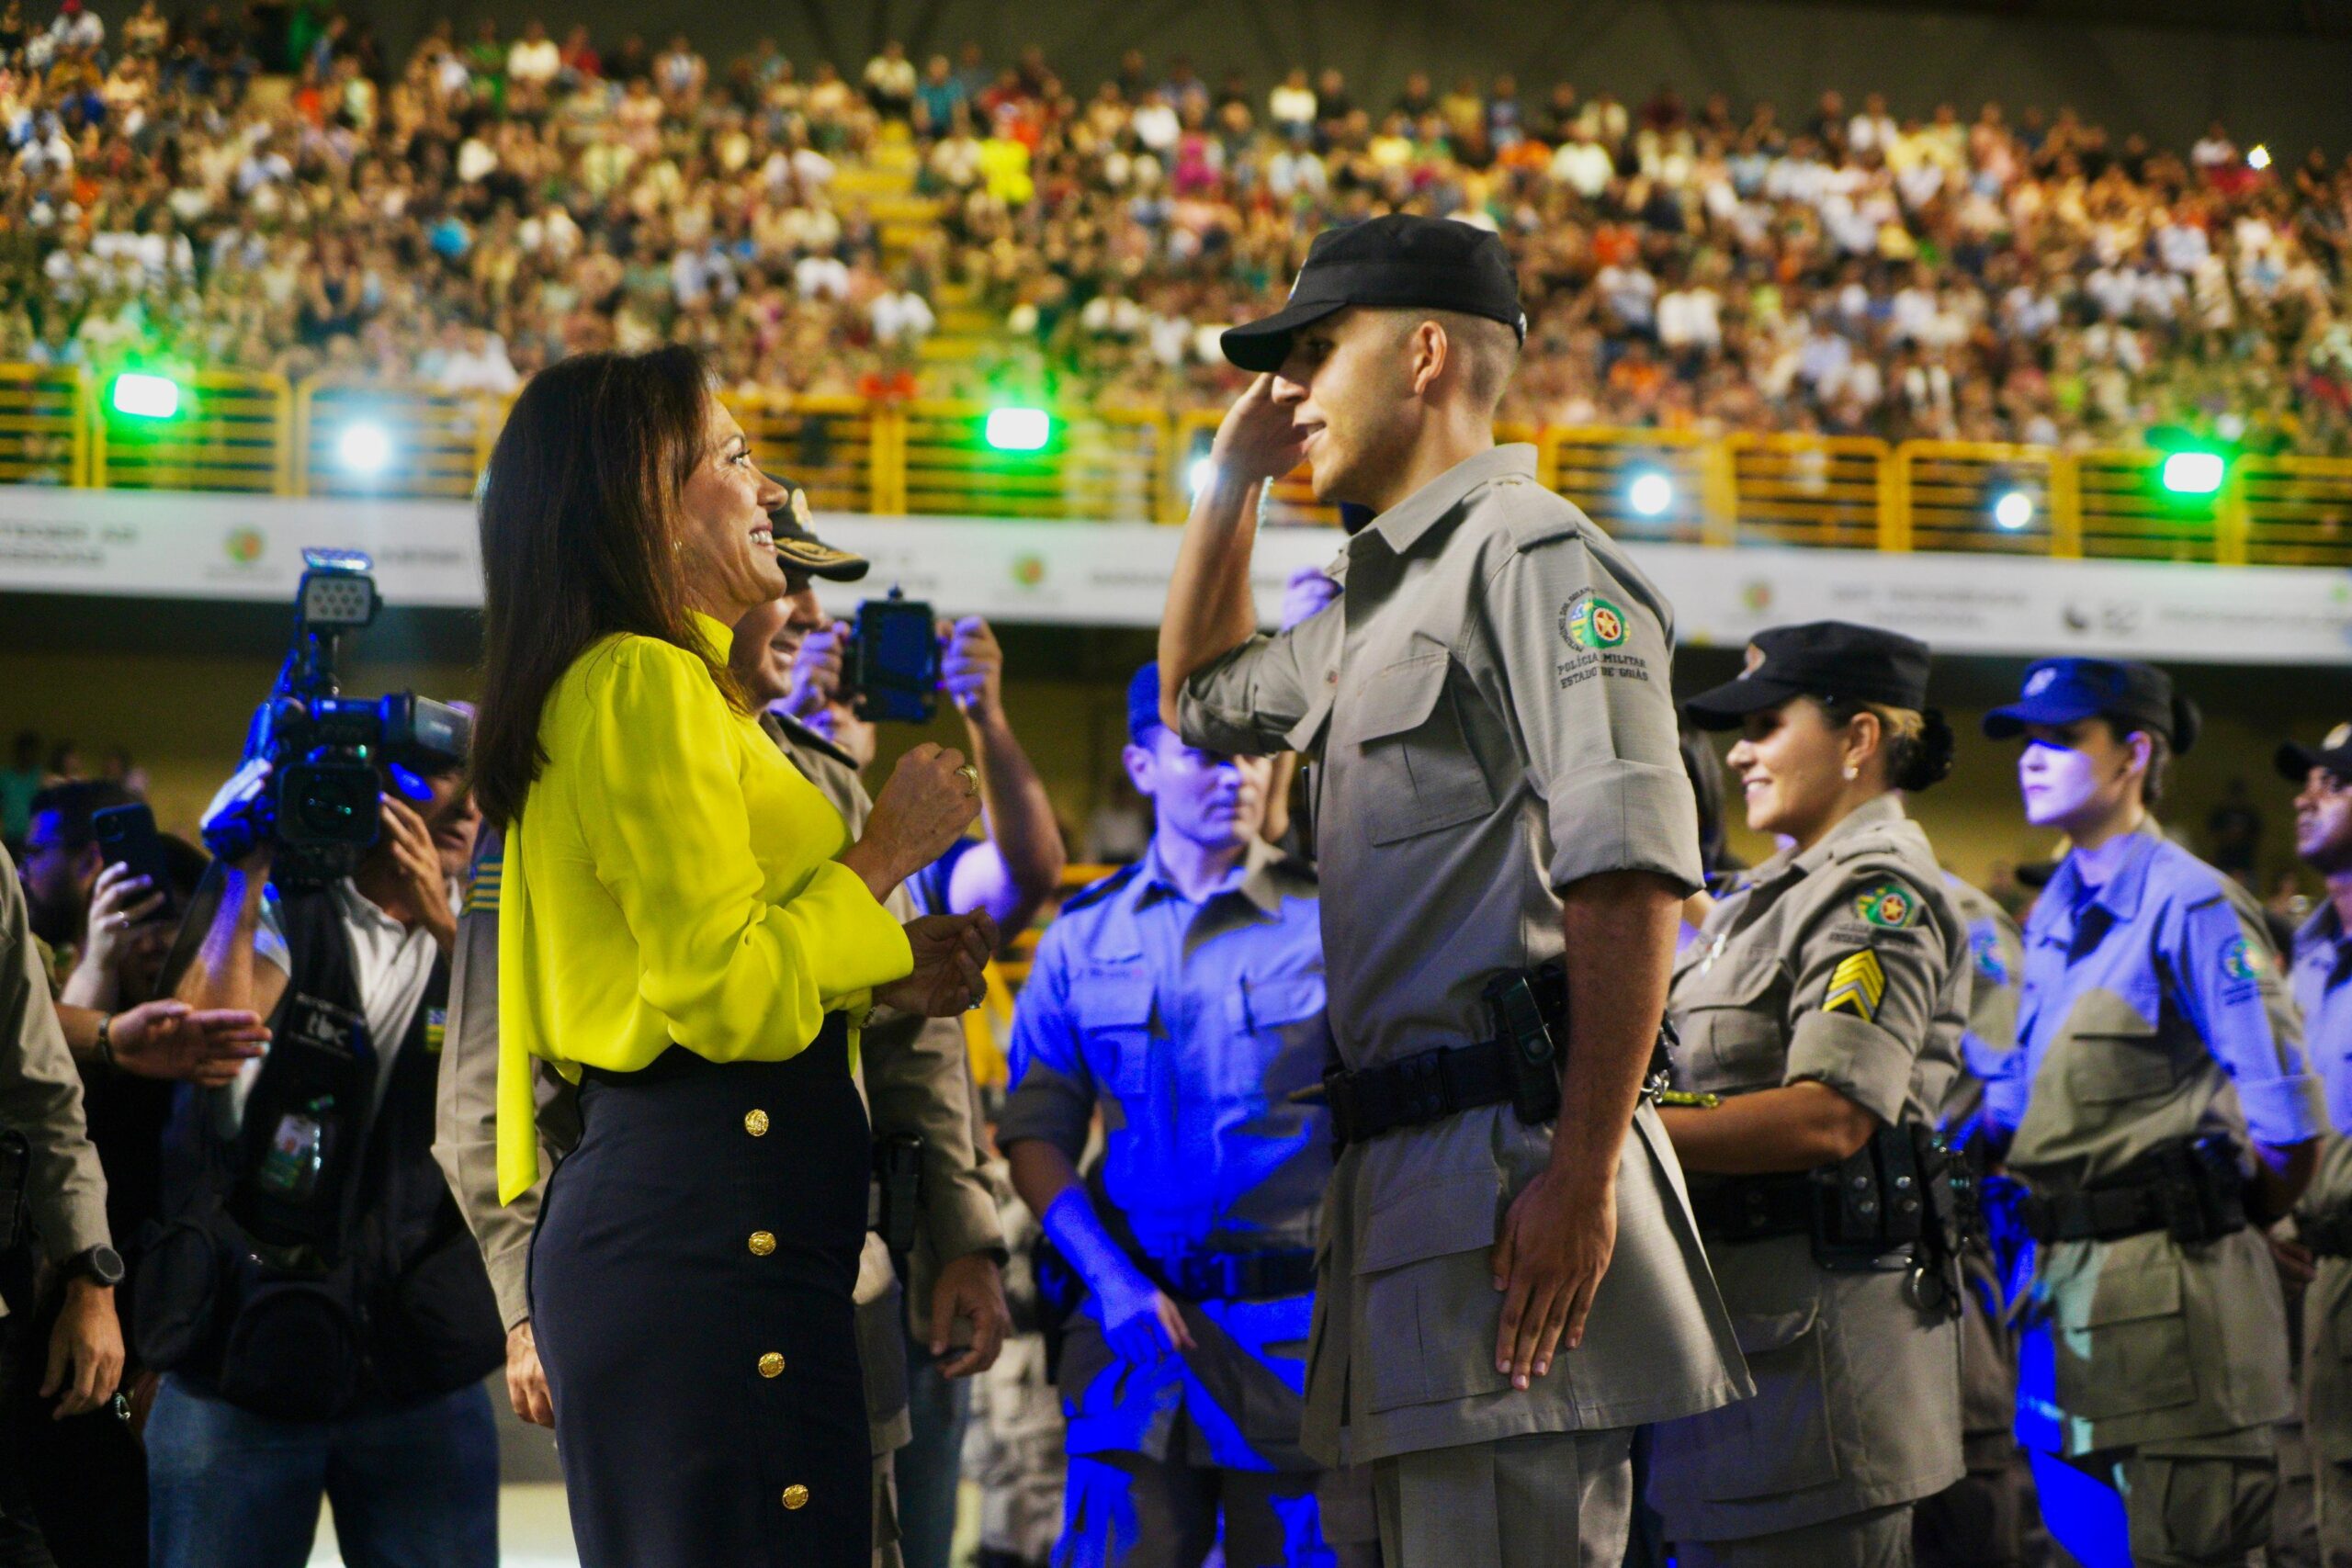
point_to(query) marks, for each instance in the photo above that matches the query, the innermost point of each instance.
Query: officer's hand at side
(173, 1041)
(951, 954)
(526, 1380)
(2296, 1265)
(969, 1288)
(1140, 1322)
(1259, 439)
(926, 807)
(86, 1353)
(1555, 1246)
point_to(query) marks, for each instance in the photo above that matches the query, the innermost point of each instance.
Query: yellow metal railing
(407, 442)
(257, 434)
(230, 432)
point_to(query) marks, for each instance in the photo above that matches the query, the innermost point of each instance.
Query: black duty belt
(2192, 1188)
(1233, 1276)
(2327, 1232)
(1753, 1208)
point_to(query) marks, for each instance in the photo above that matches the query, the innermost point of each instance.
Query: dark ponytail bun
(1928, 758)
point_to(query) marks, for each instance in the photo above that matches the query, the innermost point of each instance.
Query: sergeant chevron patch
(1856, 986)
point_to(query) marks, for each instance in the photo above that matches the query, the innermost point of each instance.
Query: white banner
(221, 546)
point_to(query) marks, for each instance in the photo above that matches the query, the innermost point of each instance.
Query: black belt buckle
(1346, 1105)
(1423, 1094)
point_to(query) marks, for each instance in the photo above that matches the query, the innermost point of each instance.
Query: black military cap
(1820, 658)
(2334, 754)
(2067, 690)
(1399, 261)
(800, 550)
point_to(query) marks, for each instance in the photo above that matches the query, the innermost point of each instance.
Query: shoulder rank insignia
(481, 888)
(1856, 986)
(1890, 904)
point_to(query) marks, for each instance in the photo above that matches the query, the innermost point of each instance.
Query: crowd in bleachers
(272, 191)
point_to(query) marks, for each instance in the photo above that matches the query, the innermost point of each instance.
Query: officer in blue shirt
(2161, 1113)
(2323, 986)
(1184, 999)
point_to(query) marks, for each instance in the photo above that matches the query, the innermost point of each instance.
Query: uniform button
(772, 1364)
(762, 1243)
(756, 1123)
(796, 1495)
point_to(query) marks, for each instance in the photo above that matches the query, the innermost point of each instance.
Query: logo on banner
(1029, 570)
(243, 546)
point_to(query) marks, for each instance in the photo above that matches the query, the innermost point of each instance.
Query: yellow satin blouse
(670, 878)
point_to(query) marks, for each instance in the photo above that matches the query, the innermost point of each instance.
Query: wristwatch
(105, 1048)
(101, 1265)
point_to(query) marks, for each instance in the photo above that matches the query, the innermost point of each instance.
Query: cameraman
(64, 1195)
(266, 1395)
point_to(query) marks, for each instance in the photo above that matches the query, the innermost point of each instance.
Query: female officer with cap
(2156, 1043)
(1820, 1015)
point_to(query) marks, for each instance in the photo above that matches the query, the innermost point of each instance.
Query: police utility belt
(1904, 1200)
(2192, 1188)
(1519, 1066)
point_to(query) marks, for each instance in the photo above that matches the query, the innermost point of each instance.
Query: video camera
(331, 757)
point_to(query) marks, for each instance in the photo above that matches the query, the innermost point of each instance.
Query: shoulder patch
(1095, 892)
(1890, 906)
(1856, 986)
(1985, 945)
(481, 885)
(1591, 622)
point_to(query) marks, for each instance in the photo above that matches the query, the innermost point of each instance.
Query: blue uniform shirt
(1190, 1025)
(2152, 1010)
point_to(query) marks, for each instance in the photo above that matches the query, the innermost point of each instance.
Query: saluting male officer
(1183, 997)
(2322, 987)
(912, 1071)
(1499, 787)
(2156, 1043)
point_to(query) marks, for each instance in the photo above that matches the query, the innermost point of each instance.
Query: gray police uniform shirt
(913, 1073)
(2322, 982)
(1845, 965)
(1996, 966)
(40, 1092)
(1191, 1026)
(1988, 1394)
(2154, 1010)
(1489, 703)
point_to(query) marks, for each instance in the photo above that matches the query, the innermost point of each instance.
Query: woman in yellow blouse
(688, 932)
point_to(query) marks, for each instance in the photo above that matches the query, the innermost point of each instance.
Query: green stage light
(143, 396)
(2194, 473)
(1018, 430)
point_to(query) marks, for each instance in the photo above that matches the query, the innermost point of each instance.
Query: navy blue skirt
(690, 1287)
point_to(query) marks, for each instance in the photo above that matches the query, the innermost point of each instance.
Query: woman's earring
(1853, 771)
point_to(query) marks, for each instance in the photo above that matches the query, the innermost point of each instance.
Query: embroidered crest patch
(1890, 905)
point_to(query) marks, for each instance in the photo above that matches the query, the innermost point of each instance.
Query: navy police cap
(2124, 692)
(1820, 658)
(1400, 261)
(2334, 753)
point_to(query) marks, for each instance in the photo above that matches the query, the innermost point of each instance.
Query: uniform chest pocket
(2113, 1054)
(1282, 1018)
(1730, 1017)
(1420, 774)
(1115, 1017)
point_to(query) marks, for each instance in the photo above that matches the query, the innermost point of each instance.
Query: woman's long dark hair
(578, 540)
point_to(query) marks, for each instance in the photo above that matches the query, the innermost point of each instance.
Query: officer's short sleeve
(1265, 694)
(2228, 978)
(1871, 967)
(1585, 677)
(1051, 1095)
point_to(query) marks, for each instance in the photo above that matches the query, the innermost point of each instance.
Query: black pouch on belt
(898, 1187)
